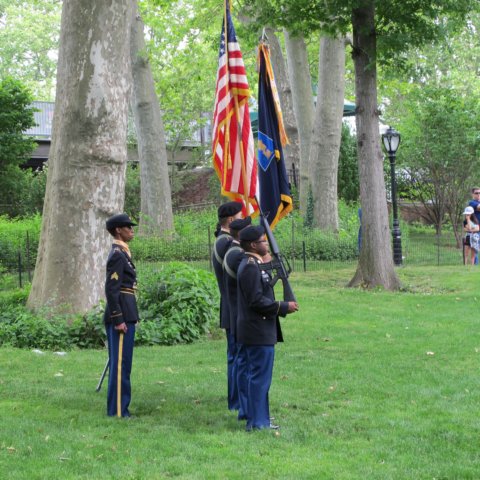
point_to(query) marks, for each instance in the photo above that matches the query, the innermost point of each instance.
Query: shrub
(132, 190)
(348, 180)
(22, 328)
(320, 245)
(177, 304)
(154, 249)
(87, 330)
(15, 297)
(16, 235)
(190, 242)
(181, 303)
(16, 116)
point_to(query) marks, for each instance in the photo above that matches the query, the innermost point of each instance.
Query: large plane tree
(86, 175)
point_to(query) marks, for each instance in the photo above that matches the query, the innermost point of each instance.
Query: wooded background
(414, 66)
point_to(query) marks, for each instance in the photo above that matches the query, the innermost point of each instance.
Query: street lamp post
(391, 141)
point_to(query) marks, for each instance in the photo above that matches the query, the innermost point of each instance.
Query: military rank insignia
(114, 276)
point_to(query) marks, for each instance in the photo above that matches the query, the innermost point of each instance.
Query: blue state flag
(275, 196)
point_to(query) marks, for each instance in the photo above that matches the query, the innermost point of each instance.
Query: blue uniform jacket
(231, 262)
(120, 286)
(222, 244)
(258, 312)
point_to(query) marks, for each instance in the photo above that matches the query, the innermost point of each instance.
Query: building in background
(185, 153)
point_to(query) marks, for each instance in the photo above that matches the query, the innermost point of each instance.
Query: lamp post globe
(391, 142)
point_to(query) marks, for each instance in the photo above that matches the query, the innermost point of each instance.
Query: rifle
(99, 386)
(279, 265)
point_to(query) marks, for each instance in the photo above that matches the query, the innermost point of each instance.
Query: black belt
(130, 291)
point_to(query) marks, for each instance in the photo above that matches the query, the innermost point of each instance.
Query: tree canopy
(183, 48)
(29, 34)
(399, 25)
(16, 116)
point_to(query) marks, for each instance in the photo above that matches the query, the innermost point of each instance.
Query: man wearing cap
(475, 202)
(231, 261)
(227, 213)
(258, 325)
(121, 314)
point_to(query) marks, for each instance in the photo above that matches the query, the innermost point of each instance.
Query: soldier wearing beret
(121, 314)
(258, 325)
(227, 213)
(231, 261)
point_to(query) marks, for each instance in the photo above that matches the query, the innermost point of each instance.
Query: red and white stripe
(232, 131)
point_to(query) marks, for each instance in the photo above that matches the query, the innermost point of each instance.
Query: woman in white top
(471, 227)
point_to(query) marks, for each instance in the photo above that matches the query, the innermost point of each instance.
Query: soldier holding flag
(258, 326)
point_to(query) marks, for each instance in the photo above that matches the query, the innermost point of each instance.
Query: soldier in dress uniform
(121, 314)
(227, 213)
(258, 325)
(231, 261)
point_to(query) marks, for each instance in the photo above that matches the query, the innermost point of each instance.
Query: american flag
(232, 145)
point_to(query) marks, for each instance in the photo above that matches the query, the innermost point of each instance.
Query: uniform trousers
(120, 352)
(232, 389)
(241, 365)
(260, 368)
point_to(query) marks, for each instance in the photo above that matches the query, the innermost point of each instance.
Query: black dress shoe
(269, 427)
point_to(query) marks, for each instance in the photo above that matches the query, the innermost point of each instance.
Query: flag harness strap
(230, 272)
(217, 255)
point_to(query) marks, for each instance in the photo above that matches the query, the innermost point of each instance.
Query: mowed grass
(368, 385)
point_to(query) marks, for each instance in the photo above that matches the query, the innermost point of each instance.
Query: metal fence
(304, 250)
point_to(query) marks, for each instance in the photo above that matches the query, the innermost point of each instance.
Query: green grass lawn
(368, 385)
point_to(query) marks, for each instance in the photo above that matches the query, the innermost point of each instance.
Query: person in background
(472, 238)
(121, 314)
(258, 325)
(227, 213)
(231, 262)
(475, 202)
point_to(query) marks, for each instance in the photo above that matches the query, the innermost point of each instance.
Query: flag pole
(237, 115)
(227, 158)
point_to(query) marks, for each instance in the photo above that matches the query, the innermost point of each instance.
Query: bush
(87, 330)
(190, 242)
(14, 297)
(16, 234)
(154, 249)
(177, 304)
(16, 116)
(132, 190)
(22, 328)
(320, 245)
(348, 180)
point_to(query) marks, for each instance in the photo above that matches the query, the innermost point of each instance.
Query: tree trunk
(291, 152)
(375, 265)
(156, 198)
(325, 143)
(301, 83)
(86, 174)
